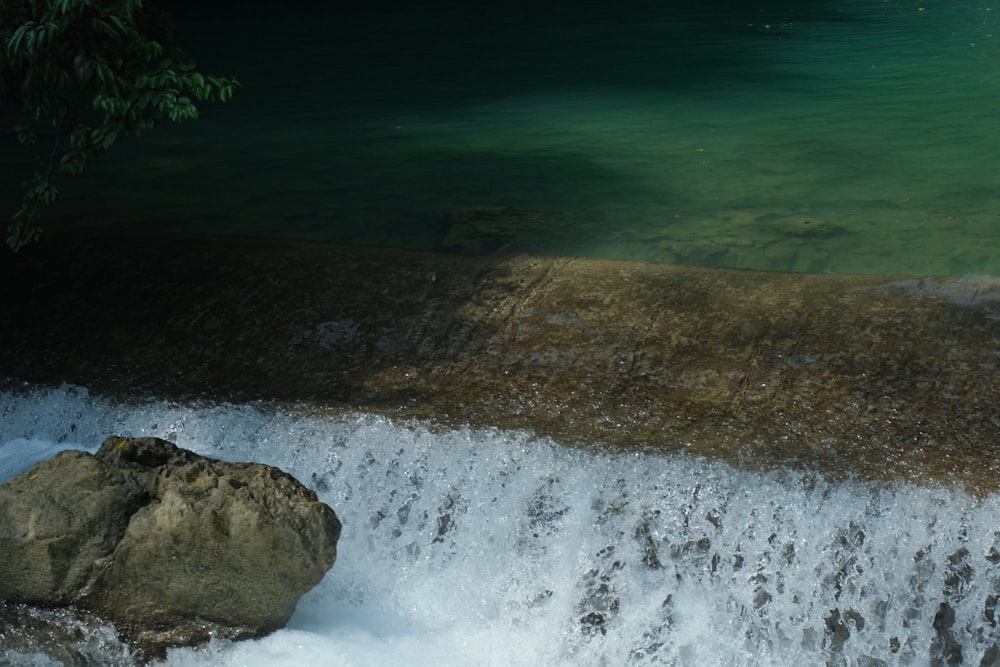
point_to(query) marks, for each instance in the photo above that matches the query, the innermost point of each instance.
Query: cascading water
(497, 548)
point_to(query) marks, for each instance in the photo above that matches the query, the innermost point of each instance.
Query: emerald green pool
(851, 136)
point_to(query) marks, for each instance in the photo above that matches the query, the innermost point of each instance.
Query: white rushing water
(479, 547)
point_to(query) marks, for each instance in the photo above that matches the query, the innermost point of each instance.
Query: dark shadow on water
(230, 319)
(258, 190)
(442, 53)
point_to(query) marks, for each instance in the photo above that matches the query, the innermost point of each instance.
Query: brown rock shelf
(880, 377)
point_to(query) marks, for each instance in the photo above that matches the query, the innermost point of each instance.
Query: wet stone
(883, 378)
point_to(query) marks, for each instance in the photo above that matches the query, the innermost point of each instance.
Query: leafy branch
(81, 73)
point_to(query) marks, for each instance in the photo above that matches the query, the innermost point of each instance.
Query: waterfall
(492, 547)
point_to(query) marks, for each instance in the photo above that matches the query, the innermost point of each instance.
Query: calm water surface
(852, 136)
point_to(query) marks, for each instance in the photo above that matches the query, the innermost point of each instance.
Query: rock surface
(175, 548)
(882, 377)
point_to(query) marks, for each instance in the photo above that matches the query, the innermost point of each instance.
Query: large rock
(174, 547)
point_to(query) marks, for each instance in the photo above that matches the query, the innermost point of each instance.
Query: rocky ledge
(884, 377)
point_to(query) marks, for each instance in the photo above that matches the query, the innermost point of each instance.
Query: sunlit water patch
(497, 548)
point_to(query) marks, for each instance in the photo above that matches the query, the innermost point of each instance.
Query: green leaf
(64, 61)
(25, 135)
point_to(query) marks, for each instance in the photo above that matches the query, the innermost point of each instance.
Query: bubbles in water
(488, 547)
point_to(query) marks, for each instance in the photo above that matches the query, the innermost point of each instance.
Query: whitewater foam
(497, 548)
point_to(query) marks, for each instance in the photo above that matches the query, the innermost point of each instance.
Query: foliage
(81, 73)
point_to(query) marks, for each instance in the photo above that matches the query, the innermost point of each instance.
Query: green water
(851, 136)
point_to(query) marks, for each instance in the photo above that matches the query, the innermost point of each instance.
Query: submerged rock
(174, 547)
(801, 225)
(495, 230)
(69, 637)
